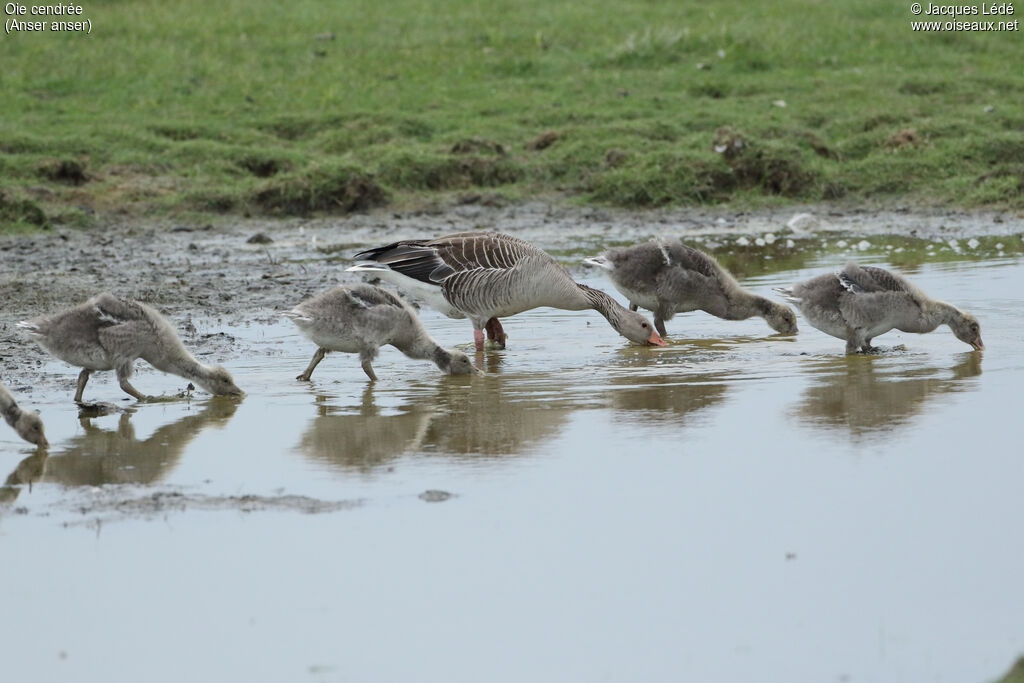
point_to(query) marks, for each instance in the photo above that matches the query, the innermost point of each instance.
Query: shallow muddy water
(734, 507)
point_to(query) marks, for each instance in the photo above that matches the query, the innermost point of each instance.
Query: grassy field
(267, 108)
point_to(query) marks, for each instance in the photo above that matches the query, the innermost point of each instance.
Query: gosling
(362, 318)
(28, 425)
(859, 303)
(109, 333)
(669, 277)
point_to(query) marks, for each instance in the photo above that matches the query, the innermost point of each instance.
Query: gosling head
(458, 363)
(780, 318)
(637, 328)
(966, 328)
(219, 382)
(30, 427)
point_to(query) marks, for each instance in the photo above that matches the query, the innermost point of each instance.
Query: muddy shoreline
(204, 275)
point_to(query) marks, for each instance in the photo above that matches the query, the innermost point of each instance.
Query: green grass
(312, 107)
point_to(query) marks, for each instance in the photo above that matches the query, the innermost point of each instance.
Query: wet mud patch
(116, 503)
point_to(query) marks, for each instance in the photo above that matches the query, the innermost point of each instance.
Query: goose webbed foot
(317, 357)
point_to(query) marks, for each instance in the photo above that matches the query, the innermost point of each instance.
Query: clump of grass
(735, 165)
(328, 189)
(264, 165)
(478, 146)
(66, 171)
(20, 210)
(436, 172)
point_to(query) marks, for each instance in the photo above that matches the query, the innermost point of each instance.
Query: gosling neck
(423, 347)
(940, 313)
(10, 411)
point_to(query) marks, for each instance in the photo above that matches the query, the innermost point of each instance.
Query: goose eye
(643, 325)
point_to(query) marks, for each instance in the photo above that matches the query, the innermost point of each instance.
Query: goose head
(637, 328)
(966, 328)
(780, 318)
(30, 427)
(219, 382)
(459, 364)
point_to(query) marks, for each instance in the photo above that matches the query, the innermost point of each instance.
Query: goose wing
(878, 296)
(433, 261)
(112, 310)
(860, 279)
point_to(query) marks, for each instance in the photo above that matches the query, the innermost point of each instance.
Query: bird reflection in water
(101, 456)
(456, 418)
(664, 398)
(866, 394)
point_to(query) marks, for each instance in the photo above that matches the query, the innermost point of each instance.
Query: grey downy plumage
(859, 303)
(109, 333)
(362, 318)
(486, 276)
(668, 277)
(28, 425)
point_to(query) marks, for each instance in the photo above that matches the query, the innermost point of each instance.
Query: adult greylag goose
(28, 425)
(362, 318)
(109, 333)
(859, 303)
(485, 276)
(669, 277)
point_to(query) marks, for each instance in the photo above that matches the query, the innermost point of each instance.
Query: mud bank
(250, 271)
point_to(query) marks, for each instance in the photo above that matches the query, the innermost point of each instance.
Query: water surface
(734, 507)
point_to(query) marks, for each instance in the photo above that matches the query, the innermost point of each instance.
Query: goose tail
(29, 326)
(787, 294)
(600, 261)
(297, 316)
(368, 267)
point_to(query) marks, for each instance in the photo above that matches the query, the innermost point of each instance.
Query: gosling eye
(974, 327)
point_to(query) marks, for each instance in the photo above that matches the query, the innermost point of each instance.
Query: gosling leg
(368, 369)
(659, 325)
(128, 388)
(83, 377)
(317, 357)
